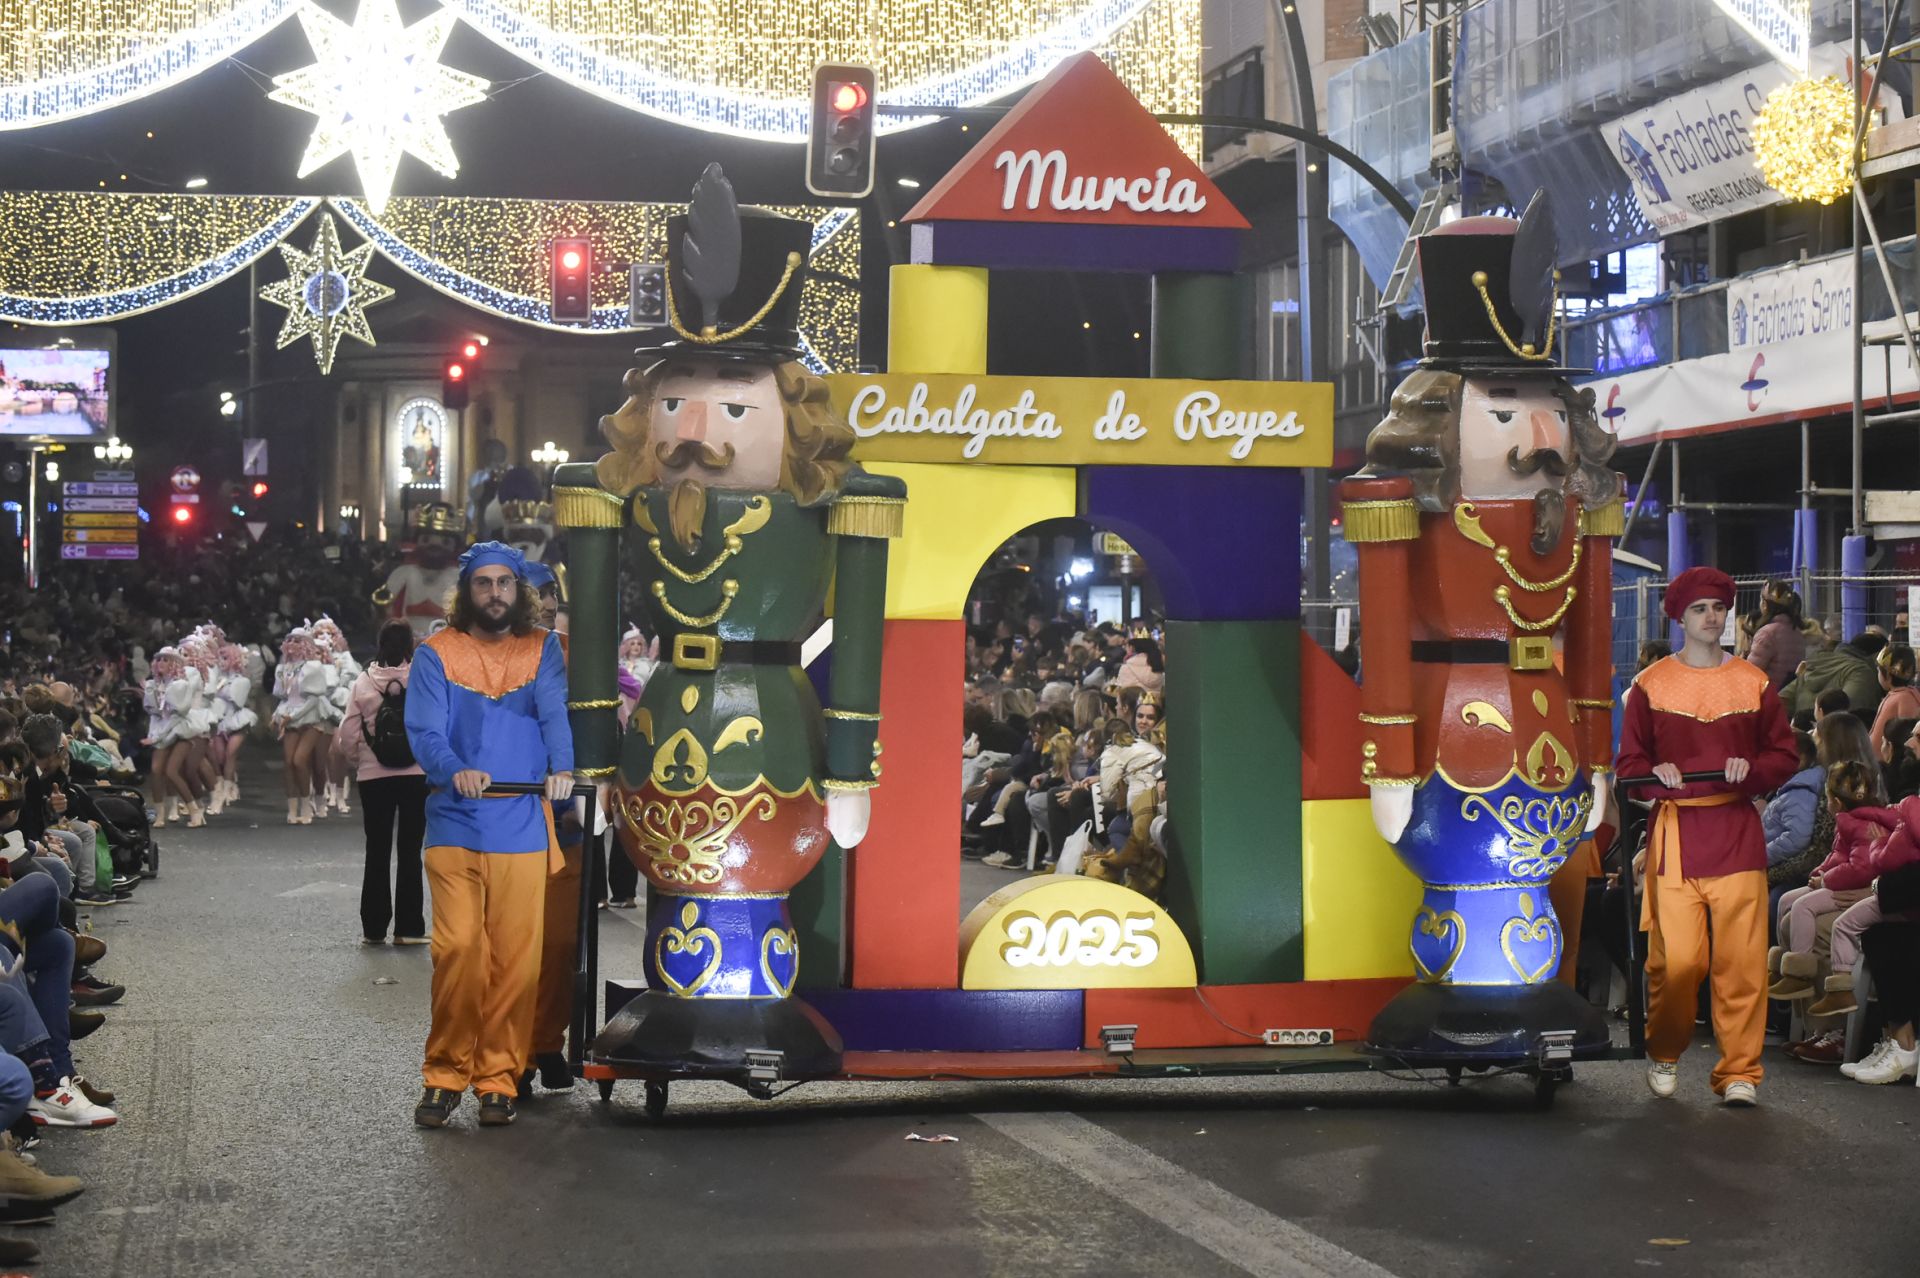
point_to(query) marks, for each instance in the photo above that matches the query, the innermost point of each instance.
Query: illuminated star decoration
(326, 294)
(379, 90)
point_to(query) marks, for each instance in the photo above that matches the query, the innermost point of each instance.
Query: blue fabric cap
(539, 575)
(485, 554)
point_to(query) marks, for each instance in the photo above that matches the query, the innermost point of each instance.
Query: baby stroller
(130, 838)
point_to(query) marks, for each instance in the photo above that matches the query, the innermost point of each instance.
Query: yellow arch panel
(956, 517)
(1359, 898)
(1064, 932)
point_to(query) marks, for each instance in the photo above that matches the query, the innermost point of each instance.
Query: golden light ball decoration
(1803, 139)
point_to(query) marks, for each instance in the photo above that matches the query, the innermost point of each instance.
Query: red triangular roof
(1111, 151)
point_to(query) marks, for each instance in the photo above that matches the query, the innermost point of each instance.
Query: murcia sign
(1079, 148)
(1086, 421)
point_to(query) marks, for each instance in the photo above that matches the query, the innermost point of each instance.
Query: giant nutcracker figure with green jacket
(729, 496)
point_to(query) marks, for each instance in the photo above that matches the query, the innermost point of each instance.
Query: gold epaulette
(867, 517)
(1609, 520)
(1380, 520)
(586, 508)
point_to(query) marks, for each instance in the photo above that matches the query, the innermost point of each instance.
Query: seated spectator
(1849, 668)
(1653, 650)
(1900, 699)
(1862, 823)
(1144, 668)
(1898, 765)
(1779, 646)
(1893, 955)
(1832, 701)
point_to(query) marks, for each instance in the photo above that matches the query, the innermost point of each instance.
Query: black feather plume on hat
(1530, 276)
(710, 251)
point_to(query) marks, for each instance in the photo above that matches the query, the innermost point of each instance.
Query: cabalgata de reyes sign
(1086, 421)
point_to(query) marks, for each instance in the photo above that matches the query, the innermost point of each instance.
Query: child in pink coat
(1861, 825)
(1901, 847)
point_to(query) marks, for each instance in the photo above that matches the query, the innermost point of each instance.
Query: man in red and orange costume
(1701, 710)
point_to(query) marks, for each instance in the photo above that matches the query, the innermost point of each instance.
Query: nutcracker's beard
(1549, 519)
(687, 513)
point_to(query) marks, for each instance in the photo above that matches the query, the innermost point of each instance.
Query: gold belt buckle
(1525, 652)
(696, 652)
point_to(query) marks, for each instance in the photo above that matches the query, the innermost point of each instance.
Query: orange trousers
(1696, 922)
(559, 938)
(488, 911)
(1568, 892)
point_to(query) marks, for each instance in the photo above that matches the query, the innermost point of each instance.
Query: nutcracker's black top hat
(734, 277)
(1491, 293)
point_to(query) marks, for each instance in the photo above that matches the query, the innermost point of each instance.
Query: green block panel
(1197, 328)
(818, 906)
(1233, 785)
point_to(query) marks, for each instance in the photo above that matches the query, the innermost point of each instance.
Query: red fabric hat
(1695, 584)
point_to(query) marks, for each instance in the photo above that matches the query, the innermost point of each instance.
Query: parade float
(804, 918)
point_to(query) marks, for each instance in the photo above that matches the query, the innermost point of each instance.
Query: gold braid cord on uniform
(1609, 520)
(709, 336)
(1380, 520)
(586, 508)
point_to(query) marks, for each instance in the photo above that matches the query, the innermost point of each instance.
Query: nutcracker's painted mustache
(1547, 459)
(694, 452)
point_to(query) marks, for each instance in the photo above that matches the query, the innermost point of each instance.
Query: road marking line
(1225, 1224)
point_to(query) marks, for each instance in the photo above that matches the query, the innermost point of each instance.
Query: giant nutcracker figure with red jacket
(1484, 522)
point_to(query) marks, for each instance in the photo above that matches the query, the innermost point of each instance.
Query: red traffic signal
(840, 132)
(183, 514)
(572, 296)
(259, 488)
(471, 350)
(453, 386)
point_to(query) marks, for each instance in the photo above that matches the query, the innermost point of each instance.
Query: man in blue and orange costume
(1484, 524)
(1705, 888)
(487, 702)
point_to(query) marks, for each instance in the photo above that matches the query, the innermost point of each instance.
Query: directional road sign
(96, 551)
(71, 520)
(125, 505)
(82, 488)
(100, 534)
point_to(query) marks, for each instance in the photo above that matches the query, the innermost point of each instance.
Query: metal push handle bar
(1686, 778)
(501, 789)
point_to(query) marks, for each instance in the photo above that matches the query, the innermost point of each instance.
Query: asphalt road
(266, 1065)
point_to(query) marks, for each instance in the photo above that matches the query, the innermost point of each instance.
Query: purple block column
(1678, 561)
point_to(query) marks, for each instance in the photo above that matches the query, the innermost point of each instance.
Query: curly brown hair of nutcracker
(1420, 438)
(655, 440)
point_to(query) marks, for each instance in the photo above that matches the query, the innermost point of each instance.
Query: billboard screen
(62, 390)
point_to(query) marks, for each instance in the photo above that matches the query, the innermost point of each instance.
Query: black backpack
(387, 734)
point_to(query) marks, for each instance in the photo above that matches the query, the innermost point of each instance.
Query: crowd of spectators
(1843, 834)
(1064, 746)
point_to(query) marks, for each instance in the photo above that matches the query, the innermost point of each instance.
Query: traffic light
(453, 386)
(182, 516)
(259, 489)
(840, 132)
(646, 295)
(572, 300)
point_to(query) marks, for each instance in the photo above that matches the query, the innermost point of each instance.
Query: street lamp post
(549, 457)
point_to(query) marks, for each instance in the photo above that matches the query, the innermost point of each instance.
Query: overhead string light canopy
(734, 66)
(71, 257)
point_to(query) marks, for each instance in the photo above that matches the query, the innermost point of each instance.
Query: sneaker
(25, 1214)
(1850, 1068)
(995, 819)
(1895, 1064)
(373, 940)
(87, 995)
(998, 858)
(18, 1251)
(122, 895)
(627, 904)
(436, 1107)
(21, 1182)
(68, 1106)
(1663, 1078)
(94, 896)
(496, 1110)
(81, 1023)
(412, 940)
(1740, 1094)
(1829, 1049)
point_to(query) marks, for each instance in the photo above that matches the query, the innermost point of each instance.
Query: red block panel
(1330, 729)
(1236, 1015)
(904, 879)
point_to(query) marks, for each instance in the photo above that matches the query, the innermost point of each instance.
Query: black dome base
(1445, 1024)
(710, 1038)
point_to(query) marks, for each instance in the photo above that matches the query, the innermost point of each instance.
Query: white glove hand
(1602, 790)
(1392, 809)
(848, 812)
